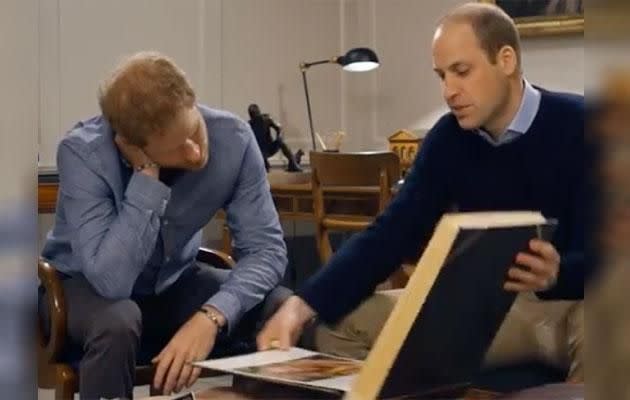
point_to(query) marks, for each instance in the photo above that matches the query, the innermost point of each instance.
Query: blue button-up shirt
(523, 119)
(130, 234)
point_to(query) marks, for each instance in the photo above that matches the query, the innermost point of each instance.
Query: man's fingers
(162, 368)
(120, 141)
(157, 358)
(267, 335)
(287, 337)
(515, 287)
(193, 151)
(184, 376)
(273, 337)
(536, 264)
(532, 280)
(173, 373)
(285, 326)
(545, 249)
(194, 375)
(262, 343)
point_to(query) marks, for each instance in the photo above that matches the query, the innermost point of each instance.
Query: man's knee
(575, 321)
(575, 330)
(118, 325)
(355, 334)
(575, 342)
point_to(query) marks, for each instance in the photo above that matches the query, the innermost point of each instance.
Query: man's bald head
(492, 26)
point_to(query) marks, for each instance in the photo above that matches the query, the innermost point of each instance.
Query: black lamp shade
(355, 60)
(359, 59)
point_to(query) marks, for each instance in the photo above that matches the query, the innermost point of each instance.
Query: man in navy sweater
(505, 145)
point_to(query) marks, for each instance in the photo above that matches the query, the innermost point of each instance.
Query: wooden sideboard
(46, 197)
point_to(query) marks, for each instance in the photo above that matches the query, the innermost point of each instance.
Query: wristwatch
(148, 164)
(212, 316)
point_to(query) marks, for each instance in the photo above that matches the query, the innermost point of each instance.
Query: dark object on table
(261, 125)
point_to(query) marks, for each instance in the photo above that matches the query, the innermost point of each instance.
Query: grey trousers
(111, 337)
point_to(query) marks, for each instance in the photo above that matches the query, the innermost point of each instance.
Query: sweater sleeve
(369, 257)
(575, 266)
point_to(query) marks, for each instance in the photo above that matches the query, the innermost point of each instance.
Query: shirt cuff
(148, 193)
(228, 305)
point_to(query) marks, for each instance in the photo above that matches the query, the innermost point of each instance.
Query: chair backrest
(355, 169)
(353, 173)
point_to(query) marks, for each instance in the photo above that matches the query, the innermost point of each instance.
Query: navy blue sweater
(542, 170)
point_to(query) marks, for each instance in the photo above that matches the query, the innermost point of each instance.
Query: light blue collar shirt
(522, 120)
(131, 235)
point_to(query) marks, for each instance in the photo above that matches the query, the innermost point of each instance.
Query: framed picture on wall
(544, 17)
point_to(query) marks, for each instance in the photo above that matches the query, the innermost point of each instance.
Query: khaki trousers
(551, 332)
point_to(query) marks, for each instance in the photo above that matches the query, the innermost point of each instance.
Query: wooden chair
(359, 173)
(52, 373)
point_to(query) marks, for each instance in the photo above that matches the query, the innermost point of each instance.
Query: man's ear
(507, 60)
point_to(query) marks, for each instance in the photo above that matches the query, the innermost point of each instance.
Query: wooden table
(231, 393)
(244, 388)
(47, 188)
(291, 194)
(235, 393)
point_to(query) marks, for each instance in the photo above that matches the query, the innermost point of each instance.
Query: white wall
(242, 51)
(83, 40)
(234, 51)
(237, 52)
(18, 101)
(263, 44)
(404, 92)
(555, 63)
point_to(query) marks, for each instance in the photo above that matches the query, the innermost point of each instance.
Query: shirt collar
(530, 102)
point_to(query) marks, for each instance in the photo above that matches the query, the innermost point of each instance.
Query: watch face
(212, 317)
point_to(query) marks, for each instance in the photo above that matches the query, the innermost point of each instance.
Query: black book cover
(463, 311)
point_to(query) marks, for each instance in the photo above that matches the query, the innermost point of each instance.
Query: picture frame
(544, 17)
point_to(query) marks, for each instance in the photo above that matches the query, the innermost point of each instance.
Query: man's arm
(113, 246)
(370, 257)
(258, 241)
(573, 270)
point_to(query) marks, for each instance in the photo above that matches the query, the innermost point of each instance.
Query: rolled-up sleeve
(258, 243)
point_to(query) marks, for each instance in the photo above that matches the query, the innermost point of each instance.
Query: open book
(442, 325)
